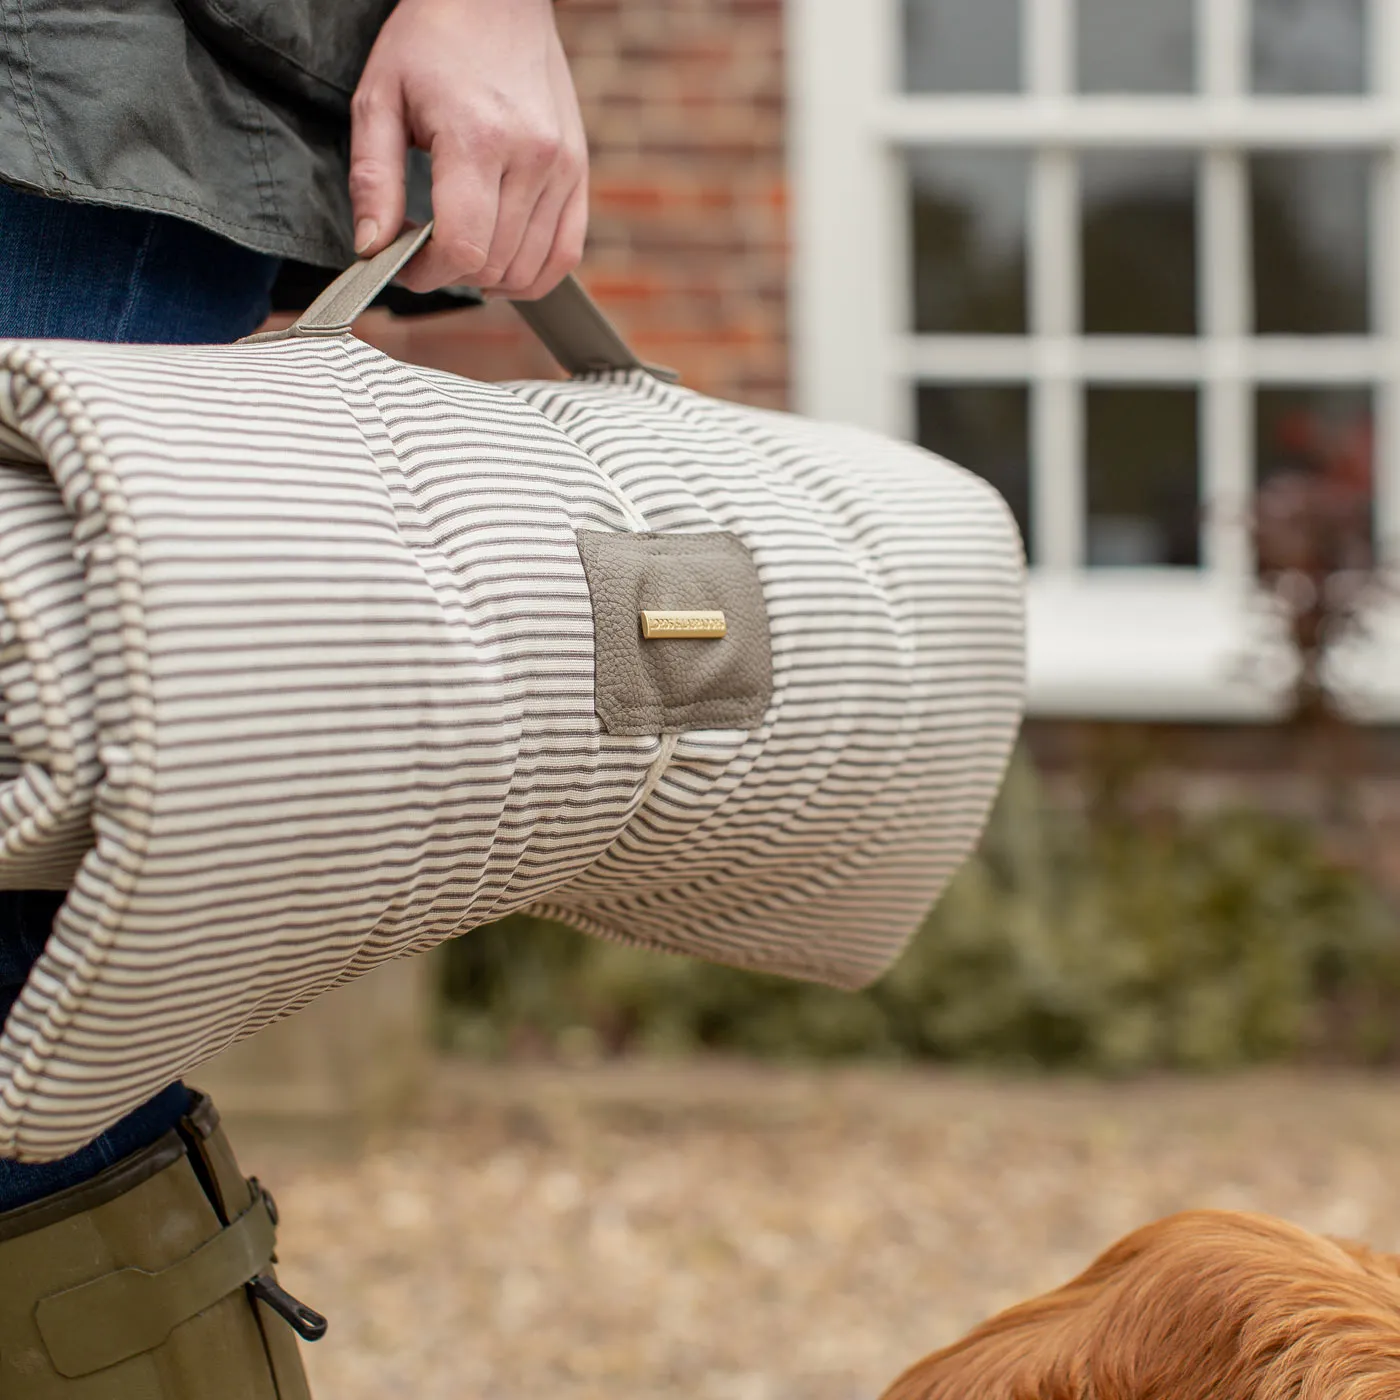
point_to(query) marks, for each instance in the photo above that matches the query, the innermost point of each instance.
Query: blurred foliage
(1109, 941)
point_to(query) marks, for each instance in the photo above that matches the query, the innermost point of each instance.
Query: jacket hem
(321, 252)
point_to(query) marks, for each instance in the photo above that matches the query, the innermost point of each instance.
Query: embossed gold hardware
(656, 625)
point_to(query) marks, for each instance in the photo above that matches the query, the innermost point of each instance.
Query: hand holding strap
(568, 322)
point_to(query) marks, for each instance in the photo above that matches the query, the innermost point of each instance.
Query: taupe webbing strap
(356, 287)
(572, 327)
(130, 1311)
(568, 322)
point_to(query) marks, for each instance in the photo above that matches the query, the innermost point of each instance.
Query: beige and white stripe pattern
(296, 653)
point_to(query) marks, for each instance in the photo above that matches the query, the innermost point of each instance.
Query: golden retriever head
(1207, 1305)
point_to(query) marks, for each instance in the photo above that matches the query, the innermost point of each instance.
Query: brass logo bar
(656, 625)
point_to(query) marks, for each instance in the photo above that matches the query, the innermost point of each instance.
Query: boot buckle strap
(131, 1311)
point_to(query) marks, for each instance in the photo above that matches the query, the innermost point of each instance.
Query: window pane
(1137, 45)
(969, 240)
(1323, 437)
(962, 45)
(1311, 213)
(1142, 481)
(1310, 46)
(1139, 242)
(985, 428)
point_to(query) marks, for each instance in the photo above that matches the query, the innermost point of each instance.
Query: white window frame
(1144, 643)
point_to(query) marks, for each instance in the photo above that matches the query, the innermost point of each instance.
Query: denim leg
(83, 272)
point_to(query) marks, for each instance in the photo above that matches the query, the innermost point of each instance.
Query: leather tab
(675, 683)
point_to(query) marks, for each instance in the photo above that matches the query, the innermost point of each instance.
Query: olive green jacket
(233, 114)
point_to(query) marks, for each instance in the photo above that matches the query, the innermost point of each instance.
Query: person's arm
(483, 85)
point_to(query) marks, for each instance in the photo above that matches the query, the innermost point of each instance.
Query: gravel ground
(734, 1233)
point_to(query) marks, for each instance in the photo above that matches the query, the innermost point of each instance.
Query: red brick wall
(687, 251)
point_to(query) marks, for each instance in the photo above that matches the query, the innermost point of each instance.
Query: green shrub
(1102, 944)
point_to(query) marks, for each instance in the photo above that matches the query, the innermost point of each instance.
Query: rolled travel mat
(311, 659)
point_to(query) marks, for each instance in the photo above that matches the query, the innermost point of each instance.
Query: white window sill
(1171, 645)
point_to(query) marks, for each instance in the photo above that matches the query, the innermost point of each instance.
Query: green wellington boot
(152, 1281)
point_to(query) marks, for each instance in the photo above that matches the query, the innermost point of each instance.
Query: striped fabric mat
(296, 653)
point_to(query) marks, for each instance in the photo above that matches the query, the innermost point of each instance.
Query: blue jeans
(82, 272)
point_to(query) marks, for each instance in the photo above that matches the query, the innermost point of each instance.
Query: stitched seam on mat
(44, 1040)
(664, 754)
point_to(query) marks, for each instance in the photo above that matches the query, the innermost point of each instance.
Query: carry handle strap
(567, 322)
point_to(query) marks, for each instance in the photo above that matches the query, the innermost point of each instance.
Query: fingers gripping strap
(567, 322)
